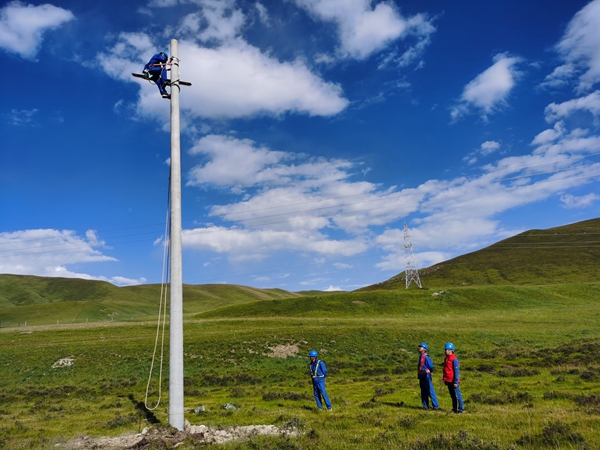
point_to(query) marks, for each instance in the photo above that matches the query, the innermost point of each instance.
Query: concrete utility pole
(176, 309)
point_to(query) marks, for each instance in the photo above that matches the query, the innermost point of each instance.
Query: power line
(387, 198)
(351, 195)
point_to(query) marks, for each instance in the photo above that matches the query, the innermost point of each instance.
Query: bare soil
(171, 438)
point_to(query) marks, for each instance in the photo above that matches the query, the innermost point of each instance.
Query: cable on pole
(162, 310)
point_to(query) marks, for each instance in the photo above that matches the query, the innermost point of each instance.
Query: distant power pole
(411, 273)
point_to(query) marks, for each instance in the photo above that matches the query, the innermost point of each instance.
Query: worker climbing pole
(176, 284)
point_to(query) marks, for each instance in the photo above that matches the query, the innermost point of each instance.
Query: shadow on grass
(401, 405)
(145, 412)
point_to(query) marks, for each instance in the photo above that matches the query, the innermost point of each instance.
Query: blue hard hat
(313, 353)
(449, 346)
(165, 55)
(424, 345)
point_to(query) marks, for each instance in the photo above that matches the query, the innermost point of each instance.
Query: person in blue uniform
(318, 373)
(156, 70)
(425, 370)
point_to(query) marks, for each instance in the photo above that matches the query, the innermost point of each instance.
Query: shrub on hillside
(555, 435)
(460, 441)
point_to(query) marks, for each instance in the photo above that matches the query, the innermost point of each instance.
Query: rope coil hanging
(162, 309)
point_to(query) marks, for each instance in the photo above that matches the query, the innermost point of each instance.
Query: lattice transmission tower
(410, 273)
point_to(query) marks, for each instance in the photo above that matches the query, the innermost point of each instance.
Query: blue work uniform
(425, 368)
(158, 74)
(318, 372)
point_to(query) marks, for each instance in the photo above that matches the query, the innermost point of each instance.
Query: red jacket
(451, 370)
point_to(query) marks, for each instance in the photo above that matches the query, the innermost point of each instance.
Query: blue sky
(313, 131)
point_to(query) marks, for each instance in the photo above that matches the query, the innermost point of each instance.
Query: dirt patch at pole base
(170, 437)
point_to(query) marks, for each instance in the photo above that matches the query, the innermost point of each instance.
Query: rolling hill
(561, 255)
(40, 300)
(566, 254)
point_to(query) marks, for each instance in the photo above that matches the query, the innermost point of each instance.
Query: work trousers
(427, 392)
(455, 394)
(320, 393)
(159, 76)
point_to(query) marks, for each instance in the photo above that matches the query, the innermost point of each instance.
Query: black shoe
(166, 96)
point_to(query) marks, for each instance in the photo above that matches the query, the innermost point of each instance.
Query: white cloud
(263, 13)
(48, 253)
(333, 288)
(590, 103)
(294, 203)
(548, 136)
(422, 28)
(292, 191)
(396, 261)
(364, 29)
(262, 279)
(580, 50)
(290, 202)
(45, 251)
(560, 76)
(22, 117)
(224, 168)
(231, 81)
(22, 27)
(489, 147)
(122, 281)
(342, 266)
(239, 81)
(162, 3)
(216, 21)
(570, 201)
(244, 244)
(490, 89)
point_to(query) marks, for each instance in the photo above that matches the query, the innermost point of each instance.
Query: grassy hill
(40, 300)
(567, 254)
(416, 302)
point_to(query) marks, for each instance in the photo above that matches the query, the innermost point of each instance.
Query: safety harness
(315, 373)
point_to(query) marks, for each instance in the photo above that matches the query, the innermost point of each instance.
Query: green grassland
(524, 315)
(529, 355)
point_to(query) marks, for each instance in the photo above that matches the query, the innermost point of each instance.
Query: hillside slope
(566, 254)
(40, 300)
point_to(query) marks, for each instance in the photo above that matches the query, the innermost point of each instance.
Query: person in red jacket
(451, 376)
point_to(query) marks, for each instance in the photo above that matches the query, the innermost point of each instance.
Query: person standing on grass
(318, 373)
(451, 377)
(425, 381)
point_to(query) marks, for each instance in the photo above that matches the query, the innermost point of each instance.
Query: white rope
(162, 310)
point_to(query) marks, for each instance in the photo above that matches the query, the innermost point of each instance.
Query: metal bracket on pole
(144, 77)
